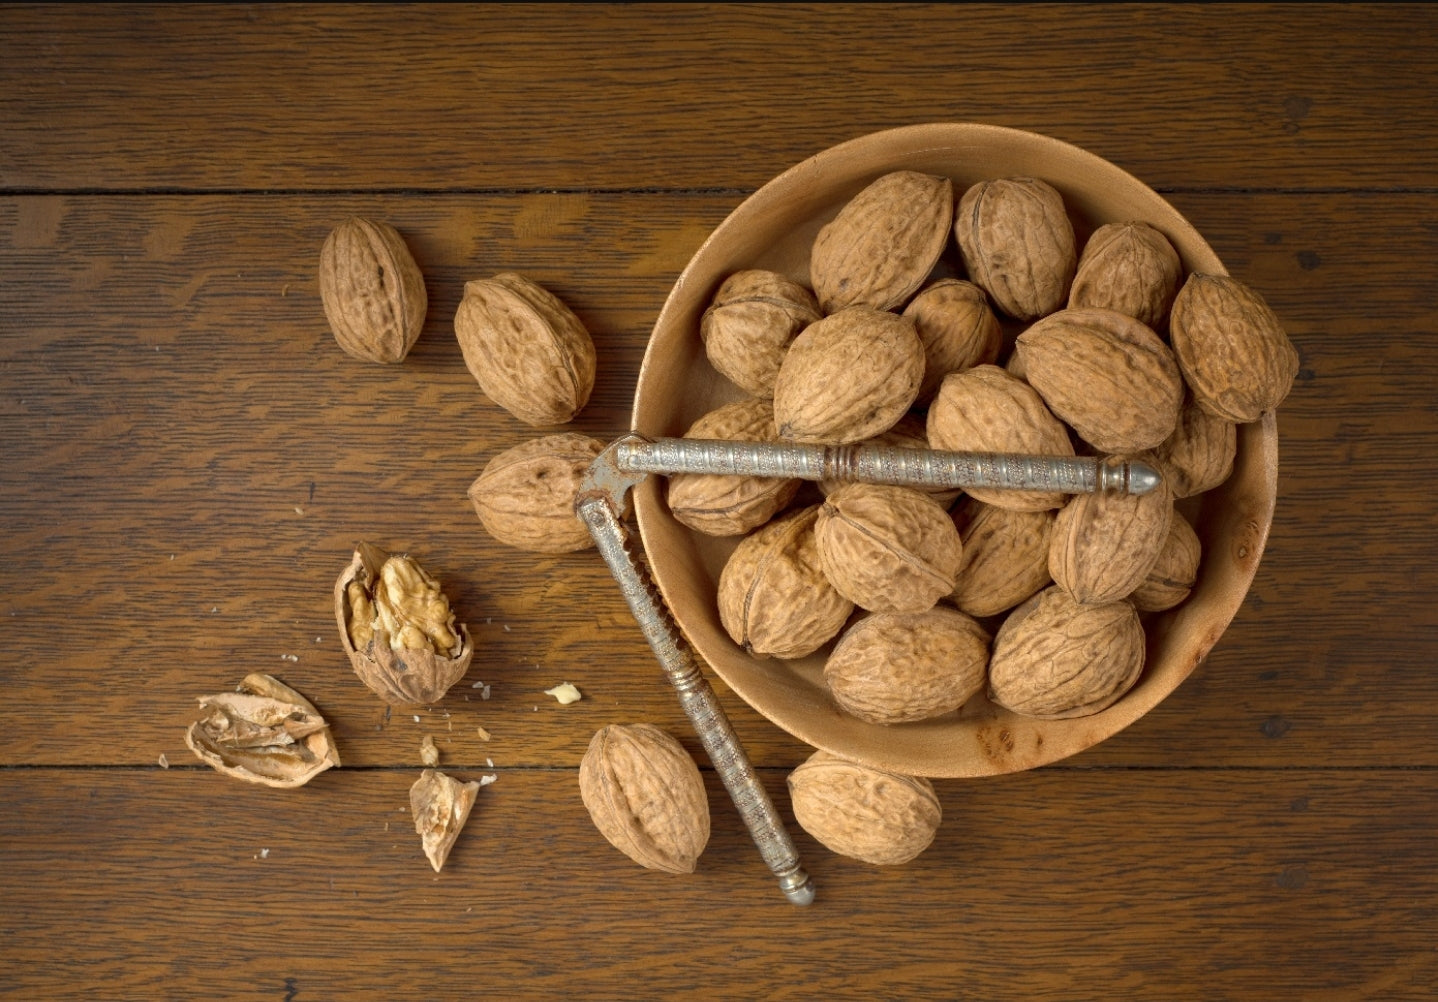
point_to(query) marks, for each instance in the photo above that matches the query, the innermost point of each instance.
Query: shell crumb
(565, 693)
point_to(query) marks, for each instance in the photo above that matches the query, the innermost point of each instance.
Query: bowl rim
(1005, 738)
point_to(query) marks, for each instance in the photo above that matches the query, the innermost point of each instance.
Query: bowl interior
(774, 229)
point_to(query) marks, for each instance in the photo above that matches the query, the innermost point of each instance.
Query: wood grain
(186, 460)
(1309, 883)
(447, 97)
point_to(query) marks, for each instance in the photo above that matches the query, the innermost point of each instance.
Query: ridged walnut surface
(869, 814)
(1018, 244)
(957, 328)
(1005, 557)
(372, 290)
(720, 505)
(1129, 267)
(1104, 545)
(1173, 575)
(525, 495)
(747, 329)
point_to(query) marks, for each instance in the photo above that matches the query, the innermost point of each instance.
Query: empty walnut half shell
(265, 733)
(398, 629)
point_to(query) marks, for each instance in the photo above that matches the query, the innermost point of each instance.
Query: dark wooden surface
(188, 458)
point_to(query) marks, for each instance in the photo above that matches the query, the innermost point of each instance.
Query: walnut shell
(386, 658)
(1234, 353)
(984, 409)
(1105, 544)
(440, 805)
(645, 795)
(886, 548)
(526, 349)
(525, 495)
(751, 322)
(1106, 375)
(774, 600)
(265, 733)
(1199, 455)
(883, 243)
(1006, 557)
(1131, 268)
(720, 505)
(957, 329)
(908, 433)
(1054, 658)
(873, 815)
(372, 291)
(1017, 244)
(848, 377)
(1174, 573)
(892, 667)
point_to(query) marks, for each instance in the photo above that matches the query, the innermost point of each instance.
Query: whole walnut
(1174, 574)
(1199, 455)
(722, 505)
(896, 667)
(1130, 267)
(872, 815)
(749, 325)
(848, 377)
(645, 795)
(1106, 375)
(887, 548)
(883, 243)
(372, 291)
(1006, 557)
(1017, 244)
(525, 495)
(1233, 352)
(1055, 658)
(1105, 544)
(957, 328)
(526, 349)
(984, 409)
(774, 600)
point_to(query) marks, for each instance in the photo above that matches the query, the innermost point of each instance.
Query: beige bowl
(774, 229)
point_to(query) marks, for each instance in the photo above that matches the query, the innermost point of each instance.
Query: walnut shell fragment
(883, 243)
(372, 291)
(525, 495)
(1054, 658)
(751, 322)
(646, 796)
(527, 350)
(398, 629)
(265, 733)
(440, 806)
(873, 815)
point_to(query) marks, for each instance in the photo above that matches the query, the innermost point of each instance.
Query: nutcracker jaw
(600, 505)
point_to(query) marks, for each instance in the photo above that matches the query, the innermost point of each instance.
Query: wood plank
(1191, 883)
(449, 97)
(189, 459)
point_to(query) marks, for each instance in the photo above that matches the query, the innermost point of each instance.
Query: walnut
(719, 505)
(1006, 557)
(1105, 544)
(372, 291)
(1174, 573)
(751, 322)
(398, 629)
(1017, 244)
(1129, 267)
(957, 329)
(525, 495)
(873, 815)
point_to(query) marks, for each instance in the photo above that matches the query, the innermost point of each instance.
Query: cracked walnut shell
(372, 291)
(398, 628)
(527, 350)
(872, 815)
(646, 796)
(264, 733)
(440, 805)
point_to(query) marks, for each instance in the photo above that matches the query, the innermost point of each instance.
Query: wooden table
(188, 460)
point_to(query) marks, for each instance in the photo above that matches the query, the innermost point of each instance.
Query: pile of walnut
(1034, 598)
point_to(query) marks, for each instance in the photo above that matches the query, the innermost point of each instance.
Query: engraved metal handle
(886, 465)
